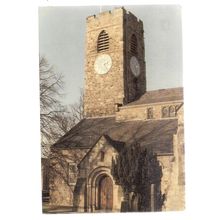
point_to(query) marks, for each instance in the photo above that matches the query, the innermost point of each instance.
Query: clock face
(103, 64)
(135, 67)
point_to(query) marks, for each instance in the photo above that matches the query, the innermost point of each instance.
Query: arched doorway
(105, 193)
(101, 192)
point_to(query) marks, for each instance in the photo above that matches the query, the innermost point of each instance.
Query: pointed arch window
(172, 111)
(150, 113)
(168, 111)
(103, 41)
(165, 112)
(133, 45)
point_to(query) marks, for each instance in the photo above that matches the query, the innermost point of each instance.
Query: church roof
(161, 95)
(155, 134)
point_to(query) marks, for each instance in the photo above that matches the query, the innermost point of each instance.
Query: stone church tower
(115, 66)
(118, 113)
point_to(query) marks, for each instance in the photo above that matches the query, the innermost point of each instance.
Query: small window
(150, 113)
(103, 42)
(168, 111)
(165, 112)
(72, 172)
(102, 157)
(133, 45)
(172, 111)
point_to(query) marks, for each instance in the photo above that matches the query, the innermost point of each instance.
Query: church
(118, 111)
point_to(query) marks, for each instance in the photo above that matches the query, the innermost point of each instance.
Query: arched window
(168, 111)
(103, 42)
(165, 112)
(133, 45)
(150, 113)
(172, 111)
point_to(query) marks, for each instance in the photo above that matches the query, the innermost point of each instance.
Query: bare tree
(51, 85)
(55, 118)
(77, 109)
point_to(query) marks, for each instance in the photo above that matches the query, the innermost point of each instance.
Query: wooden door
(105, 193)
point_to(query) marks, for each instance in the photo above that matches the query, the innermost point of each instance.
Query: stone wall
(93, 166)
(102, 94)
(173, 180)
(134, 26)
(139, 112)
(103, 91)
(176, 194)
(118, 86)
(61, 190)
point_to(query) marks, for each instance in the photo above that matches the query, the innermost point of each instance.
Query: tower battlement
(114, 12)
(133, 17)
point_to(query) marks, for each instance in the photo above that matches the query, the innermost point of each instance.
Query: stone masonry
(118, 111)
(104, 92)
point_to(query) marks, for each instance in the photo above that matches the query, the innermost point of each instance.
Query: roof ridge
(172, 88)
(159, 95)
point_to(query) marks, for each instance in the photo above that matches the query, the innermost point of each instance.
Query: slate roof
(155, 134)
(161, 95)
(118, 145)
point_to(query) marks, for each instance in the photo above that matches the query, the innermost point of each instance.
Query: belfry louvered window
(133, 45)
(103, 42)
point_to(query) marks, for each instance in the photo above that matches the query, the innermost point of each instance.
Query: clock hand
(105, 64)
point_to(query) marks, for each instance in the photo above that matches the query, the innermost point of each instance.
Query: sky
(62, 42)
